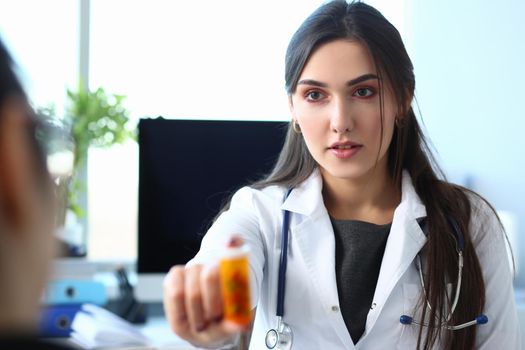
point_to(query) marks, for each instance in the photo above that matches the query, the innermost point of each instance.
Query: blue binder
(75, 292)
(55, 320)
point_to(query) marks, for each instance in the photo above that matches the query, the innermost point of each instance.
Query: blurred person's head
(26, 207)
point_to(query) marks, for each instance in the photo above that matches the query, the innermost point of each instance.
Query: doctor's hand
(194, 308)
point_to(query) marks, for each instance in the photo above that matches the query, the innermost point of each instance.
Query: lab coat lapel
(313, 234)
(405, 240)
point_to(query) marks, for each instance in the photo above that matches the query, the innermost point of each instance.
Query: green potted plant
(91, 119)
(97, 119)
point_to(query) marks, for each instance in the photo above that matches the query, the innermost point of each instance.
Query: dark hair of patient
(408, 150)
(10, 87)
(9, 84)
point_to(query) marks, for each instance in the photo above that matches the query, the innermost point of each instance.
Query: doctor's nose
(341, 119)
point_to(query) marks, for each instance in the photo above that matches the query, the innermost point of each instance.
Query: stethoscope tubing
(283, 260)
(281, 338)
(481, 319)
(460, 246)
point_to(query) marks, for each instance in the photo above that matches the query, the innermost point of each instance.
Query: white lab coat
(312, 305)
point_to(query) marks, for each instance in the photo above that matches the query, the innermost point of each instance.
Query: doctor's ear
(407, 103)
(290, 104)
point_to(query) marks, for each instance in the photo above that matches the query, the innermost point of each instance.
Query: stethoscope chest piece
(272, 337)
(280, 338)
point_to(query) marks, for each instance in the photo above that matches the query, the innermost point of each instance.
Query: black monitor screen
(187, 170)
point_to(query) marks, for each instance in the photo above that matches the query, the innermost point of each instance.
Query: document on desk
(94, 327)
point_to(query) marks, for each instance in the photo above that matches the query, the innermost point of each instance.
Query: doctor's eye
(364, 92)
(314, 95)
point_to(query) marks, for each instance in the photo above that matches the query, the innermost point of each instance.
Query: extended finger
(193, 298)
(174, 300)
(211, 294)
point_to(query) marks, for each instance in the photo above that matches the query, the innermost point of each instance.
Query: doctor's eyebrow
(352, 82)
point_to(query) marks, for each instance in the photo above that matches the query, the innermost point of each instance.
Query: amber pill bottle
(234, 272)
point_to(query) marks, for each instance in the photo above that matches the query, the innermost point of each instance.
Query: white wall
(469, 62)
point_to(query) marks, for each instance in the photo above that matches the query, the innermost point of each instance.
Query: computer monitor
(187, 170)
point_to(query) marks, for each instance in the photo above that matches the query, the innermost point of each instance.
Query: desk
(158, 331)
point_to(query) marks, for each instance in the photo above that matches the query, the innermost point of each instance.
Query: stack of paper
(94, 328)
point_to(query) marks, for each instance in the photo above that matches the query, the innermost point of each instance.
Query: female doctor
(382, 253)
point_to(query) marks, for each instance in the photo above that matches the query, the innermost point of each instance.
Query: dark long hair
(10, 87)
(408, 151)
(9, 84)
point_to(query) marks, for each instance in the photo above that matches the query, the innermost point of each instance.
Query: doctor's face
(337, 106)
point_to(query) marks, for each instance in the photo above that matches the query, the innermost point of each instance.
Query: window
(43, 39)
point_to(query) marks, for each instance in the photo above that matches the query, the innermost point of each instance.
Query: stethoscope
(460, 245)
(281, 337)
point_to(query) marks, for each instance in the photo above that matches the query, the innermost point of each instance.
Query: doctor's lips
(345, 149)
